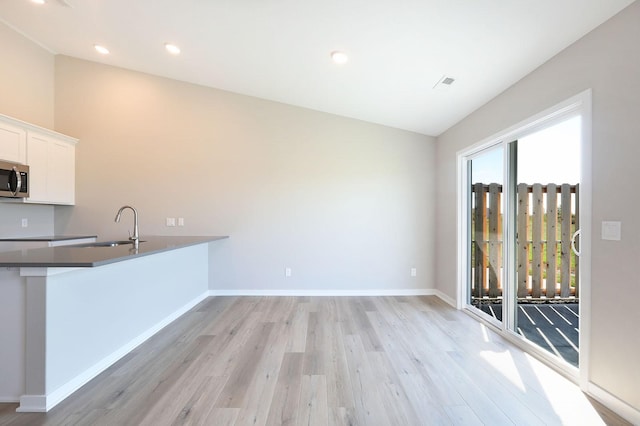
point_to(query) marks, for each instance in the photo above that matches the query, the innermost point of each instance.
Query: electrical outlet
(414, 272)
(181, 221)
(287, 272)
(25, 222)
(171, 221)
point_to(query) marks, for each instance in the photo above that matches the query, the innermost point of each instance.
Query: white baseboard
(620, 407)
(8, 400)
(337, 293)
(323, 292)
(32, 404)
(43, 403)
(445, 298)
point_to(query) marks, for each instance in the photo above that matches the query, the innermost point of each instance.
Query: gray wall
(608, 61)
(26, 93)
(347, 205)
(26, 79)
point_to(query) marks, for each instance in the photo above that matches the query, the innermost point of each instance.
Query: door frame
(579, 104)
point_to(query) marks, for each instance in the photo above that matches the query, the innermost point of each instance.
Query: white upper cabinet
(51, 158)
(52, 166)
(13, 143)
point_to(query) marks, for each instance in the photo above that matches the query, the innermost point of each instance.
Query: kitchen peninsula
(72, 311)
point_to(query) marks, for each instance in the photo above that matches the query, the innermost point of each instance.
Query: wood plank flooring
(324, 361)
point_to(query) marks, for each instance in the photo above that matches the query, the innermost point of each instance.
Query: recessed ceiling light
(38, 1)
(172, 48)
(101, 49)
(339, 57)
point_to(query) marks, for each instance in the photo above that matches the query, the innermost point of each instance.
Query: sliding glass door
(521, 220)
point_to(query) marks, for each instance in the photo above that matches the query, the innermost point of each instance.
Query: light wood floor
(323, 361)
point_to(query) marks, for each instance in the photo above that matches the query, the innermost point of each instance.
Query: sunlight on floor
(506, 366)
(564, 399)
(485, 335)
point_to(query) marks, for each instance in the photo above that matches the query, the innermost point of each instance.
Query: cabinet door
(51, 170)
(38, 156)
(13, 142)
(61, 177)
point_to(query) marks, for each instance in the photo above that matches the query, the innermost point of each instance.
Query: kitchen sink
(107, 243)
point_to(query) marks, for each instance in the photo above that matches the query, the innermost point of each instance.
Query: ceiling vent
(444, 83)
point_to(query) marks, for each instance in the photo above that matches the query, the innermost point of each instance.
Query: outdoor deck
(552, 326)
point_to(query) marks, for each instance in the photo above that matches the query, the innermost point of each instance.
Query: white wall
(608, 61)
(39, 218)
(347, 205)
(26, 93)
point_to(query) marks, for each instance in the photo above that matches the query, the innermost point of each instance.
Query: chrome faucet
(135, 237)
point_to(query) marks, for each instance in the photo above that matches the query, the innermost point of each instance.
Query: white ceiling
(279, 49)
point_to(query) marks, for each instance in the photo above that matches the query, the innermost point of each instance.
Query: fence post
(523, 239)
(479, 255)
(495, 246)
(536, 241)
(552, 244)
(577, 226)
(565, 262)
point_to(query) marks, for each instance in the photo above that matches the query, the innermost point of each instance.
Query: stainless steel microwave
(14, 180)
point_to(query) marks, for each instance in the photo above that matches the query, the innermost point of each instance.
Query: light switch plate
(611, 231)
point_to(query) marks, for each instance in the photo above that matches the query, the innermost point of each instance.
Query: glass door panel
(485, 180)
(547, 217)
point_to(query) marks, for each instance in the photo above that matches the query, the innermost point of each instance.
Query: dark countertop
(48, 238)
(80, 256)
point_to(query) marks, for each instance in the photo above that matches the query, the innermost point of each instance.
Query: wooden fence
(547, 217)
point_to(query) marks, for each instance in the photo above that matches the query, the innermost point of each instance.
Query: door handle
(573, 242)
(18, 182)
